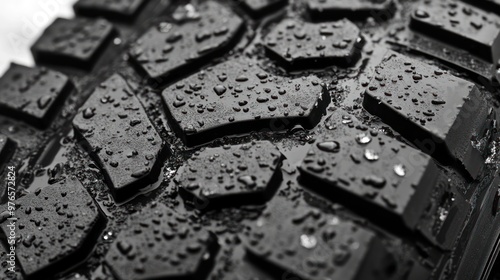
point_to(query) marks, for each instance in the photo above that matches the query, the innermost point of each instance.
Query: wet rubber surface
(255, 140)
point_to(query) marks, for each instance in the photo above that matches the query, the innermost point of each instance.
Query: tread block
(160, 244)
(32, 94)
(112, 9)
(73, 42)
(58, 226)
(259, 8)
(231, 175)
(379, 177)
(308, 45)
(238, 97)
(375, 171)
(353, 9)
(120, 137)
(318, 246)
(438, 112)
(169, 48)
(461, 25)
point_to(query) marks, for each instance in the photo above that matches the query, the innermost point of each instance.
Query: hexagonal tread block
(58, 224)
(230, 175)
(461, 25)
(112, 9)
(318, 246)
(238, 97)
(297, 45)
(170, 48)
(259, 8)
(32, 94)
(375, 175)
(73, 42)
(440, 113)
(160, 244)
(120, 137)
(353, 9)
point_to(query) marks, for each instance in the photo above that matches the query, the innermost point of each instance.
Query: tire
(254, 139)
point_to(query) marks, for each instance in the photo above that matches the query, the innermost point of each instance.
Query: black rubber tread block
(111, 9)
(230, 175)
(301, 45)
(370, 172)
(353, 9)
(461, 25)
(73, 42)
(120, 137)
(238, 97)
(438, 112)
(169, 48)
(58, 226)
(160, 244)
(318, 246)
(259, 8)
(32, 94)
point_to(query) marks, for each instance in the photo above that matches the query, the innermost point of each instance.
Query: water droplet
(374, 181)
(399, 169)
(363, 138)
(124, 247)
(308, 241)
(438, 102)
(329, 146)
(44, 101)
(88, 113)
(443, 213)
(262, 76)
(220, 89)
(241, 78)
(248, 181)
(421, 13)
(135, 122)
(371, 155)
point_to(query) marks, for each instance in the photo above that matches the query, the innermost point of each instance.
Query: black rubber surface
(311, 140)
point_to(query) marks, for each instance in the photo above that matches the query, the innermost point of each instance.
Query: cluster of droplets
(79, 37)
(204, 32)
(244, 168)
(324, 242)
(293, 40)
(247, 94)
(178, 245)
(452, 15)
(337, 144)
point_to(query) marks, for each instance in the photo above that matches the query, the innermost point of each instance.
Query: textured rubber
(259, 139)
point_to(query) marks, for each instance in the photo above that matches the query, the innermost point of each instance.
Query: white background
(22, 22)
